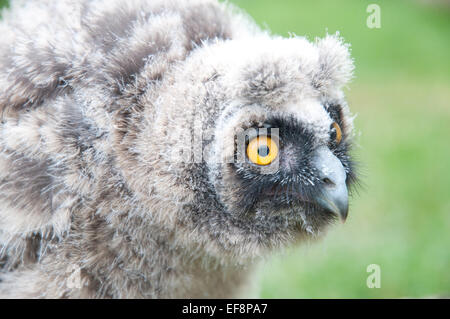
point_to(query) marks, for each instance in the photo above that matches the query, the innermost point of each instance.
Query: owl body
(119, 174)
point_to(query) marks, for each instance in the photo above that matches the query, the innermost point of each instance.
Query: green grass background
(401, 94)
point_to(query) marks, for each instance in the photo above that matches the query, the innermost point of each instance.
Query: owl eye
(336, 133)
(262, 150)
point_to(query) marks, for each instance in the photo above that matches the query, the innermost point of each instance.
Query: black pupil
(263, 150)
(333, 133)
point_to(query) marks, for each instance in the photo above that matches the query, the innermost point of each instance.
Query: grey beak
(334, 197)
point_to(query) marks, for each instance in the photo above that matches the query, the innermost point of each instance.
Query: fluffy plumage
(99, 100)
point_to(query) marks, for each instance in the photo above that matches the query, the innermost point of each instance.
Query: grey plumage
(98, 101)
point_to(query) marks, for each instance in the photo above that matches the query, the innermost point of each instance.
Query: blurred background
(400, 220)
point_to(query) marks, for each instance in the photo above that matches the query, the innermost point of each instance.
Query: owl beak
(334, 194)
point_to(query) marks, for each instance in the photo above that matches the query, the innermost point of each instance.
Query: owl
(161, 149)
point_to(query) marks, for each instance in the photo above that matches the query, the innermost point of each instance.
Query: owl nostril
(328, 181)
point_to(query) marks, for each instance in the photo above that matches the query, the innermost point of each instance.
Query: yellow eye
(262, 150)
(336, 133)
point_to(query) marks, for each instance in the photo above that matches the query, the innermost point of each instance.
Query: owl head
(246, 145)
